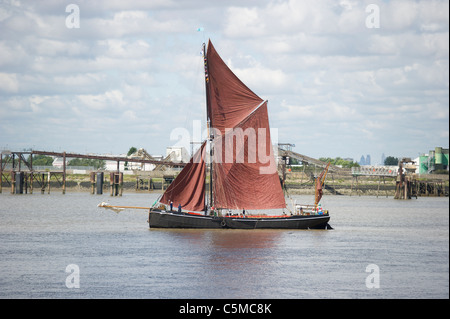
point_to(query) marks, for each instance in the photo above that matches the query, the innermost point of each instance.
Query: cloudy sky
(343, 77)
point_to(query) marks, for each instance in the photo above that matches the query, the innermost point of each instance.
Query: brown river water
(64, 246)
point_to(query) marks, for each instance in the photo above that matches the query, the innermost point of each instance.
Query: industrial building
(435, 160)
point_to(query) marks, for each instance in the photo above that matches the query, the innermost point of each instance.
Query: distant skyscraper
(383, 158)
(362, 161)
(368, 160)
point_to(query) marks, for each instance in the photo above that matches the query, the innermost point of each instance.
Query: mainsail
(244, 170)
(188, 188)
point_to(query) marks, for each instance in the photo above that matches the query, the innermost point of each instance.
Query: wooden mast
(210, 131)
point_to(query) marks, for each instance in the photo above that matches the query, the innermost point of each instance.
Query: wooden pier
(407, 185)
(379, 173)
(21, 176)
(18, 173)
(150, 183)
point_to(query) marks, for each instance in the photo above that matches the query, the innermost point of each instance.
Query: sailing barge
(243, 174)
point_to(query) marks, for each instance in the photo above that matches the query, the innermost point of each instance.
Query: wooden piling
(92, 180)
(25, 183)
(13, 182)
(19, 181)
(111, 183)
(48, 181)
(31, 174)
(31, 183)
(116, 183)
(99, 183)
(43, 184)
(405, 189)
(64, 174)
(120, 184)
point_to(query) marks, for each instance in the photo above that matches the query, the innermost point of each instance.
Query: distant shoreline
(296, 184)
(364, 189)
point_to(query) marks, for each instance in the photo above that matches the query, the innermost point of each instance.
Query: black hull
(162, 219)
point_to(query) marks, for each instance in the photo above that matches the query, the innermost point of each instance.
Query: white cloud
(9, 83)
(55, 48)
(137, 64)
(264, 80)
(109, 99)
(244, 22)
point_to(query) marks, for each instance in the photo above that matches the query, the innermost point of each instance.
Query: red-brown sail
(247, 178)
(319, 184)
(188, 188)
(229, 100)
(244, 171)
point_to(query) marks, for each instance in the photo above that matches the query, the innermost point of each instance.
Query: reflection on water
(228, 249)
(120, 257)
(236, 249)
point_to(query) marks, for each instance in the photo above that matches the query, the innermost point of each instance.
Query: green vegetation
(132, 150)
(339, 162)
(390, 160)
(97, 164)
(42, 160)
(311, 168)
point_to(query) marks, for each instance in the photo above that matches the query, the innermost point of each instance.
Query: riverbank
(296, 183)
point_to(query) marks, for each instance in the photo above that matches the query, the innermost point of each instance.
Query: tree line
(44, 160)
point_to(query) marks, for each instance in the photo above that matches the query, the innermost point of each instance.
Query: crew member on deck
(319, 210)
(179, 208)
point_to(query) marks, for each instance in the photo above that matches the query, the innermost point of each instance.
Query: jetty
(18, 172)
(20, 176)
(400, 181)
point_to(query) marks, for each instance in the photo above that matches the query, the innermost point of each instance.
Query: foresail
(188, 188)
